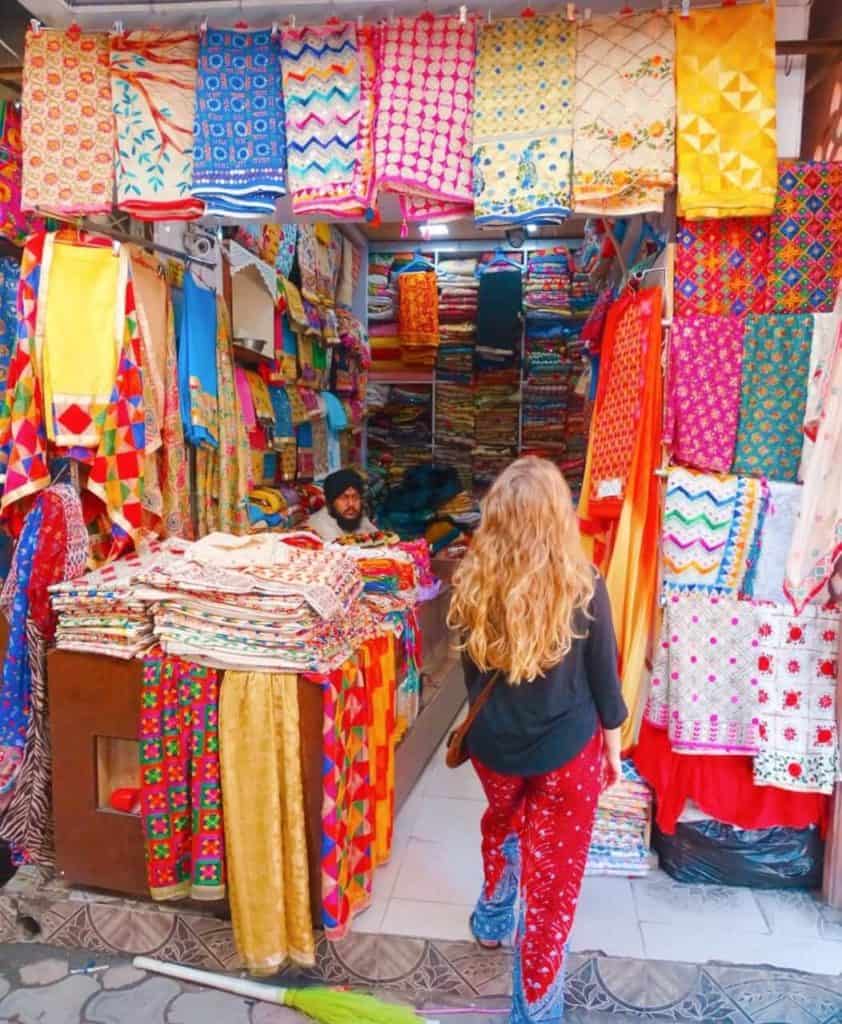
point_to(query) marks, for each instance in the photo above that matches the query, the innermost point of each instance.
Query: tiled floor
(428, 888)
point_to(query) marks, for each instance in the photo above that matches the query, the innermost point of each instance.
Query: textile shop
(274, 274)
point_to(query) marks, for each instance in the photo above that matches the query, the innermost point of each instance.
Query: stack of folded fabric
(101, 613)
(383, 316)
(558, 297)
(620, 840)
(400, 429)
(454, 426)
(497, 403)
(258, 602)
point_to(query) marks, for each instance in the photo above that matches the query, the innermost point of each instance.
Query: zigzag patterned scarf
(328, 79)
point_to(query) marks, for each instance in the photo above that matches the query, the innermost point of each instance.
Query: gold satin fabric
(263, 799)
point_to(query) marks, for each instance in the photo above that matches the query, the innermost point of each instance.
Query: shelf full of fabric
(455, 421)
(557, 301)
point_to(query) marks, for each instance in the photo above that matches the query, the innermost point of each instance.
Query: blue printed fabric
(16, 682)
(239, 167)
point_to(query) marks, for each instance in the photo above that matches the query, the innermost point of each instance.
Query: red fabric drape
(722, 786)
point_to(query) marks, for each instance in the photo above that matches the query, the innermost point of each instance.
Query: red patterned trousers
(535, 838)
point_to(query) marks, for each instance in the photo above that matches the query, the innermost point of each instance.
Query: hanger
(418, 262)
(500, 259)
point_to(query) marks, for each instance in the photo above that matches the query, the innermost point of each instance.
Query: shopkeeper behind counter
(343, 512)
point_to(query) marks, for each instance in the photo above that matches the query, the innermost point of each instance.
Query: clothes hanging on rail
(523, 120)
(153, 87)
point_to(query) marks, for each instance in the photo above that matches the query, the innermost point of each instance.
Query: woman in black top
(535, 615)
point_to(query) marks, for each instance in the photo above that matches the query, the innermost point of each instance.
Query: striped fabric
(328, 80)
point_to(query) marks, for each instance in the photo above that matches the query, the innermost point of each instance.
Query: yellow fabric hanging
(263, 799)
(79, 333)
(727, 140)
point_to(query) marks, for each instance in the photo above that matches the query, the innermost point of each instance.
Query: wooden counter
(94, 712)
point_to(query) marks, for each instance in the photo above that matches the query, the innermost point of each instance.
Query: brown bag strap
(479, 703)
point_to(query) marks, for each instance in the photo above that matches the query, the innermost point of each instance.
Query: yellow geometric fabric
(727, 140)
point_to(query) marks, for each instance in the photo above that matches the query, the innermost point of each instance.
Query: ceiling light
(532, 229)
(435, 230)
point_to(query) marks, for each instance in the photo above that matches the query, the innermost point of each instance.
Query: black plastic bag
(713, 853)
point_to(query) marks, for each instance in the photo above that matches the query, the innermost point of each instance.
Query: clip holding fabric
(117, 28)
(463, 15)
(571, 12)
(203, 28)
(36, 26)
(685, 8)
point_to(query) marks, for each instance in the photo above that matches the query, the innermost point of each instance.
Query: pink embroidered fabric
(703, 690)
(422, 141)
(703, 393)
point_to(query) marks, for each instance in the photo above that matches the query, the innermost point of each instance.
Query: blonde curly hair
(517, 591)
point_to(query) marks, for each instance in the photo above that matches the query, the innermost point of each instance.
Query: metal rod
(796, 47)
(121, 236)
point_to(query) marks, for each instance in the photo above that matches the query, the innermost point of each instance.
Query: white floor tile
(455, 821)
(592, 934)
(439, 872)
(705, 942)
(791, 914)
(457, 783)
(445, 921)
(660, 900)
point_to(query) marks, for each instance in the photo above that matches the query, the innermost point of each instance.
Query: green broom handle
(237, 986)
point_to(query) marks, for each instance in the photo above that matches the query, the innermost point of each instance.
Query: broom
(324, 1005)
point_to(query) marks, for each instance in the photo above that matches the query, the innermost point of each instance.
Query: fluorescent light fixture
(435, 230)
(532, 229)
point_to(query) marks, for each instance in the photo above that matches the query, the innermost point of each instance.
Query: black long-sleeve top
(537, 727)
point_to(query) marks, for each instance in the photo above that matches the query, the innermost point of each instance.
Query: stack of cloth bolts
(455, 420)
(258, 602)
(101, 612)
(620, 841)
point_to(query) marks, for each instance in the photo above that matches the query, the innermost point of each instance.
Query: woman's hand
(612, 770)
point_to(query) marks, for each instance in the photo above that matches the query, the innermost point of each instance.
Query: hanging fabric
(725, 85)
(620, 483)
(328, 75)
(9, 280)
(15, 225)
(68, 145)
(817, 541)
(166, 492)
(425, 93)
(778, 529)
(180, 794)
(197, 371)
(703, 688)
(153, 87)
(264, 817)
(116, 475)
(700, 427)
(24, 439)
(240, 153)
(713, 525)
(624, 136)
(799, 744)
(523, 120)
(776, 360)
(722, 267)
(806, 257)
(81, 308)
(347, 811)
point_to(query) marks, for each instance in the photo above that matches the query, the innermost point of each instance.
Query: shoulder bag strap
(480, 702)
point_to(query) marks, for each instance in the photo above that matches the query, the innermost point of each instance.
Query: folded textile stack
(454, 428)
(100, 613)
(258, 602)
(559, 296)
(497, 403)
(620, 840)
(400, 432)
(382, 296)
